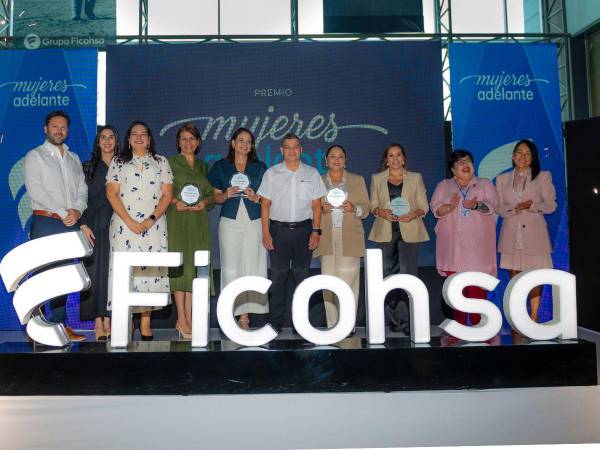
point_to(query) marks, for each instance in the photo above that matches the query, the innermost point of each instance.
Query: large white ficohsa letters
(491, 317)
(377, 289)
(201, 301)
(122, 297)
(347, 309)
(251, 338)
(564, 305)
(44, 286)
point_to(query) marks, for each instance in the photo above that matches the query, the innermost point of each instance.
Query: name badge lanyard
(463, 211)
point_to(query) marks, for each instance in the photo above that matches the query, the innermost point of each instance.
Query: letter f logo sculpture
(42, 287)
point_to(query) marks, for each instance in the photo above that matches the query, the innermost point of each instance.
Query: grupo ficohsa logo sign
(42, 287)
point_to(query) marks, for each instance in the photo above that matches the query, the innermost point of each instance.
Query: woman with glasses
(466, 230)
(187, 218)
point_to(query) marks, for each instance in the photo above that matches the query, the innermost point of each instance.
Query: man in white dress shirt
(291, 217)
(56, 186)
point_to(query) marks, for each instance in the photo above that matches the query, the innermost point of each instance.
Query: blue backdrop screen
(33, 83)
(502, 93)
(361, 95)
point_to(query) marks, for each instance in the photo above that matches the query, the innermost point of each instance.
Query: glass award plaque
(336, 197)
(399, 206)
(241, 181)
(190, 194)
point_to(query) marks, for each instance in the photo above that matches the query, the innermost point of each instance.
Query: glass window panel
(477, 16)
(532, 16)
(429, 16)
(593, 48)
(256, 17)
(310, 16)
(181, 17)
(127, 17)
(516, 16)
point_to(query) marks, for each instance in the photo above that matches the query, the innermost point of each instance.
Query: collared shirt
(55, 183)
(291, 192)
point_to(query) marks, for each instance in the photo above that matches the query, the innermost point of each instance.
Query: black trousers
(399, 257)
(290, 242)
(46, 226)
(88, 7)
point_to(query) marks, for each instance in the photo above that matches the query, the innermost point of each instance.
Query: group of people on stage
(131, 199)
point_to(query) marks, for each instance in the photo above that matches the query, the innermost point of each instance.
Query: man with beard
(56, 185)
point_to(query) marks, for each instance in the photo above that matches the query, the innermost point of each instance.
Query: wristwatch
(317, 230)
(152, 217)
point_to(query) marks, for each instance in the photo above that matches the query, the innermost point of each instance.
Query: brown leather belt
(41, 212)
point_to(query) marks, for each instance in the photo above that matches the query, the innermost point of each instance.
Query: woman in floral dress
(139, 186)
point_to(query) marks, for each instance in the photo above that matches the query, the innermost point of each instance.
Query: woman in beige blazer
(343, 238)
(398, 236)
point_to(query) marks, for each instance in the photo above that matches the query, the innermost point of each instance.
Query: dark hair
(192, 129)
(126, 153)
(291, 136)
(384, 156)
(58, 114)
(89, 168)
(334, 146)
(535, 158)
(251, 154)
(459, 154)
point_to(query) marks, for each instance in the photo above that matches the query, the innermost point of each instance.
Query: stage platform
(292, 365)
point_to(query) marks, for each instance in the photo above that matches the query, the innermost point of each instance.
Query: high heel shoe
(146, 337)
(182, 334)
(100, 336)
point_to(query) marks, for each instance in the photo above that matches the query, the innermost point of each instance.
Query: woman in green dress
(187, 220)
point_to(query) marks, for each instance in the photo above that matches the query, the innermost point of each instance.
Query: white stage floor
(357, 420)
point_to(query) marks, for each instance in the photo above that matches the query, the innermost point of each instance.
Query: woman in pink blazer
(466, 231)
(526, 194)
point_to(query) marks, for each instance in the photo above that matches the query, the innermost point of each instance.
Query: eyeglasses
(463, 161)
